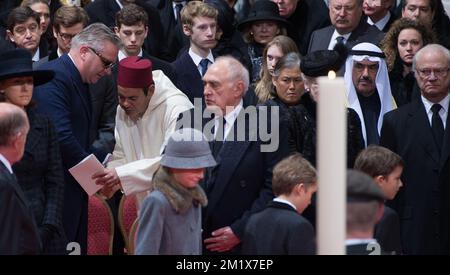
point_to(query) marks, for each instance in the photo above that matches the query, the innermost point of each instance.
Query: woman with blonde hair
(400, 44)
(274, 51)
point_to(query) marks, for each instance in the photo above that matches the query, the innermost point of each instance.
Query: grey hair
(289, 61)
(95, 36)
(236, 69)
(431, 47)
(12, 121)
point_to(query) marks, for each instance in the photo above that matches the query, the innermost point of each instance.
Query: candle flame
(331, 75)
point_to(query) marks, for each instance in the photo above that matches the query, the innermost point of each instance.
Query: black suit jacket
(189, 79)
(175, 39)
(320, 39)
(18, 231)
(309, 16)
(387, 232)
(407, 132)
(241, 183)
(278, 230)
(104, 11)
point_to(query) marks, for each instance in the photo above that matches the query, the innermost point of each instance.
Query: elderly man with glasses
(67, 100)
(418, 132)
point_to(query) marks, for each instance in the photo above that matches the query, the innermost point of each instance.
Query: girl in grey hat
(170, 217)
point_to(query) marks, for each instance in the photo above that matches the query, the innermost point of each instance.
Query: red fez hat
(135, 72)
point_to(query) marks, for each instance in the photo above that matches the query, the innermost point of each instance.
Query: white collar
(59, 52)
(6, 163)
(336, 35)
(285, 201)
(359, 241)
(120, 4)
(380, 24)
(197, 58)
(122, 54)
(428, 104)
(36, 55)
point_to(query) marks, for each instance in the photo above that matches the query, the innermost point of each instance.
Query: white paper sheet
(83, 172)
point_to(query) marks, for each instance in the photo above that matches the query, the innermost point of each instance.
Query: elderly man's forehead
(365, 61)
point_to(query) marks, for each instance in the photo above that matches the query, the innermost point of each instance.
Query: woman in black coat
(39, 172)
(400, 44)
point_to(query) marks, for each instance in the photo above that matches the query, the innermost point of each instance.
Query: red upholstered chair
(132, 237)
(127, 216)
(100, 227)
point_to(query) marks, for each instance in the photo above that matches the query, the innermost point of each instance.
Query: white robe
(136, 156)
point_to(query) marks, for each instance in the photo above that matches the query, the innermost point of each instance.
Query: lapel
(325, 41)
(418, 120)
(77, 84)
(445, 154)
(227, 162)
(112, 9)
(35, 133)
(12, 180)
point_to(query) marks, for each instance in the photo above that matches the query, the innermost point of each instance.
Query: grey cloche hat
(362, 188)
(187, 148)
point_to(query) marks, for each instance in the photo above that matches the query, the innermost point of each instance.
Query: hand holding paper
(84, 171)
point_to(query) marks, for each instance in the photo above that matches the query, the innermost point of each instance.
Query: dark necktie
(340, 40)
(219, 138)
(436, 125)
(204, 66)
(178, 8)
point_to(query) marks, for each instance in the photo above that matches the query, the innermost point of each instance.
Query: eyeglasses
(440, 72)
(107, 64)
(66, 37)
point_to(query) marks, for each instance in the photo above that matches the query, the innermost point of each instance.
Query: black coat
(40, 174)
(104, 11)
(18, 231)
(407, 132)
(174, 38)
(241, 183)
(307, 120)
(309, 16)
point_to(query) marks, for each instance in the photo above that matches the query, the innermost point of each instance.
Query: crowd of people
(208, 109)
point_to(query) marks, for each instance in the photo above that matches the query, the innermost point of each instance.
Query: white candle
(331, 165)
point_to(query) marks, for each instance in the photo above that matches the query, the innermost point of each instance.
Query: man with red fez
(149, 107)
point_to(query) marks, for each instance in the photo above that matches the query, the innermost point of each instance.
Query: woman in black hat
(317, 64)
(39, 172)
(259, 28)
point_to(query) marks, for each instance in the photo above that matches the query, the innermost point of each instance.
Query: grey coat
(170, 219)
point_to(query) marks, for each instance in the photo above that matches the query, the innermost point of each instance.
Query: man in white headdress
(368, 88)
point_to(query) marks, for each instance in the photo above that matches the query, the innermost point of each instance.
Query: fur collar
(180, 197)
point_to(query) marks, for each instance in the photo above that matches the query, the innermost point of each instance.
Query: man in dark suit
(241, 183)
(280, 229)
(18, 233)
(132, 29)
(419, 133)
(199, 24)
(104, 11)
(304, 17)
(172, 28)
(348, 27)
(66, 99)
(379, 14)
(68, 22)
